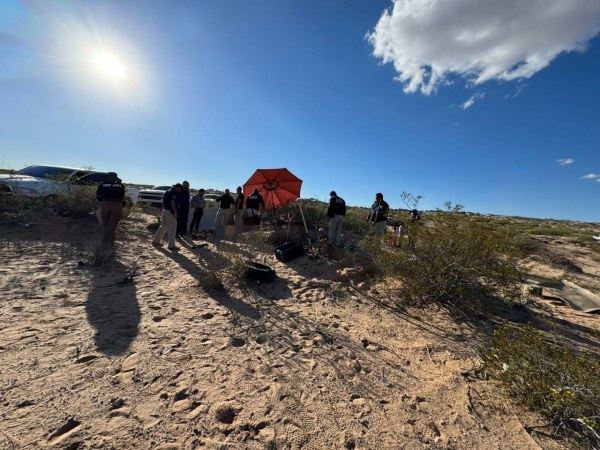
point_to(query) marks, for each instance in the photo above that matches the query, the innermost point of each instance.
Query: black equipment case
(288, 251)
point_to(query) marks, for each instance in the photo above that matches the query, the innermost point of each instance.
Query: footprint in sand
(236, 342)
(182, 402)
(310, 294)
(262, 339)
(225, 413)
(130, 363)
(68, 429)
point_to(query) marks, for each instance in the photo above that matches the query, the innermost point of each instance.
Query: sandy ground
(150, 351)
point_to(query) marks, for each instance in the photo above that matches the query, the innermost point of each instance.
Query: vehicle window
(92, 178)
(79, 174)
(48, 172)
(161, 188)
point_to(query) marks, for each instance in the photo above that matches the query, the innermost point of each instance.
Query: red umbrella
(277, 186)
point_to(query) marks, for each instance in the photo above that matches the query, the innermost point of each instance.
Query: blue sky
(493, 105)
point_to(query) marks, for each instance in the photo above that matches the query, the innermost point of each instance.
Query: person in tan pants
(110, 195)
(168, 221)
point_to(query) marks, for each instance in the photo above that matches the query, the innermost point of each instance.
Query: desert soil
(151, 350)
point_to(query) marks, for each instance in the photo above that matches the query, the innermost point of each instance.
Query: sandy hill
(162, 350)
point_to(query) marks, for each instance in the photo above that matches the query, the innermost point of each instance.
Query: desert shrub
(454, 259)
(211, 281)
(548, 378)
(21, 208)
(230, 274)
(131, 211)
(575, 233)
(236, 268)
(17, 208)
(315, 212)
(75, 203)
(356, 221)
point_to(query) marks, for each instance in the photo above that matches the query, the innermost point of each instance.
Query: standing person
(413, 230)
(253, 203)
(398, 225)
(183, 209)
(239, 211)
(336, 213)
(110, 195)
(378, 214)
(168, 221)
(225, 201)
(197, 203)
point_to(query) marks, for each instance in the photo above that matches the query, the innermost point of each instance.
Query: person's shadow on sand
(220, 295)
(112, 309)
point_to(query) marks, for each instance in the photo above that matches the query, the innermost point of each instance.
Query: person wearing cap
(239, 211)
(168, 220)
(253, 203)
(183, 209)
(197, 204)
(110, 194)
(414, 216)
(336, 213)
(225, 201)
(378, 214)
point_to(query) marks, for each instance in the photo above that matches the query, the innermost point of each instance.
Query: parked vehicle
(131, 194)
(211, 197)
(152, 196)
(41, 181)
(49, 181)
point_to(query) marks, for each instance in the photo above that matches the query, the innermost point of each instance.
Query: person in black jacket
(225, 201)
(239, 211)
(183, 209)
(168, 220)
(378, 214)
(336, 213)
(254, 202)
(197, 204)
(110, 195)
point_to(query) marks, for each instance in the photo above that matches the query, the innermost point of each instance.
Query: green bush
(356, 221)
(453, 259)
(548, 378)
(21, 208)
(315, 215)
(15, 208)
(315, 212)
(76, 203)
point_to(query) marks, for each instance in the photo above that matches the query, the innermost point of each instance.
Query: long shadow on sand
(220, 295)
(112, 309)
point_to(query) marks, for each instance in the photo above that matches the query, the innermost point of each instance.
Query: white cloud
(590, 176)
(517, 92)
(480, 40)
(472, 99)
(565, 161)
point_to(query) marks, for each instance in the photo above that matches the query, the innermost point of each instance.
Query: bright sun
(109, 66)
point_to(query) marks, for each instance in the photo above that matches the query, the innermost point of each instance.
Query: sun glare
(109, 66)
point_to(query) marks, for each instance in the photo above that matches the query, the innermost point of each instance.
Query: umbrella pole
(306, 229)
(273, 213)
(303, 219)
